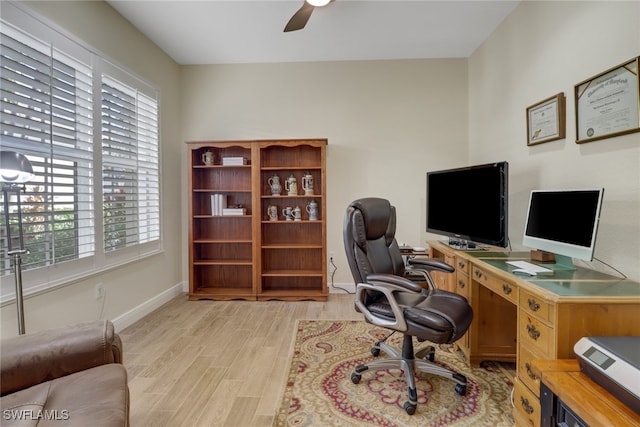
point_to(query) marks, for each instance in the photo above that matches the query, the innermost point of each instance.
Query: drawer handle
(506, 288)
(525, 405)
(478, 274)
(461, 264)
(461, 284)
(533, 332)
(533, 305)
(530, 372)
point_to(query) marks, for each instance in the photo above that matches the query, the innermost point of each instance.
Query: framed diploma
(607, 105)
(546, 120)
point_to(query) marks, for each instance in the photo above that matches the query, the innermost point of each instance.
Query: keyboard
(531, 268)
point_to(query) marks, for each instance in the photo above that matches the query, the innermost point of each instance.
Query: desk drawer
(526, 406)
(462, 284)
(504, 288)
(525, 373)
(536, 306)
(462, 265)
(532, 332)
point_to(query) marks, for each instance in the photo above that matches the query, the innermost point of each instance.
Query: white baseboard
(137, 313)
(346, 287)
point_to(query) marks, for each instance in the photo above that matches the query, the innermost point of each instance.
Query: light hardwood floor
(216, 363)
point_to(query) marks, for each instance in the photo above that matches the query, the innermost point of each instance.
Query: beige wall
(387, 122)
(541, 49)
(138, 284)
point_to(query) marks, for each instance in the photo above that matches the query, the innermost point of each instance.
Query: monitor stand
(464, 245)
(542, 256)
(552, 261)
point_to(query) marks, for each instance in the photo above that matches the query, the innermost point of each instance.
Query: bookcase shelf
(248, 256)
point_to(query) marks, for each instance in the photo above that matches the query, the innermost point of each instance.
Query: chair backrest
(369, 239)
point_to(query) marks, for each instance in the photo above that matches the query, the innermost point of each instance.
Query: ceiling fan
(300, 18)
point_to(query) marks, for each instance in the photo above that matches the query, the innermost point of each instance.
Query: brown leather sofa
(70, 376)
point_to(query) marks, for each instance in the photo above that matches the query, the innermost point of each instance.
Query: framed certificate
(546, 120)
(607, 105)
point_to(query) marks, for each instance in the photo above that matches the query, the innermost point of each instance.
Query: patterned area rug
(319, 391)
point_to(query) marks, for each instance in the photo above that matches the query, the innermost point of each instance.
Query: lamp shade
(15, 167)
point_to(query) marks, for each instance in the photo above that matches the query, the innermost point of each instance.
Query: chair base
(428, 353)
(409, 364)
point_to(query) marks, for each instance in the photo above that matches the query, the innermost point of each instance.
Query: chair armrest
(31, 359)
(400, 283)
(388, 285)
(422, 266)
(430, 264)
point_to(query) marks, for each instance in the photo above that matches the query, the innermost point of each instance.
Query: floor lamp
(15, 170)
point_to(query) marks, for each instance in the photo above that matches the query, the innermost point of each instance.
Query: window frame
(44, 279)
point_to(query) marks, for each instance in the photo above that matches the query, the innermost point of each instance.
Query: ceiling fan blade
(300, 18)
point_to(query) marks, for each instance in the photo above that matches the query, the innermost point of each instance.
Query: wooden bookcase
(221, 248)
(293, 253)
(250, 256)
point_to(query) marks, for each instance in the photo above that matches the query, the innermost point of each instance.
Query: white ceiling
(242, 31)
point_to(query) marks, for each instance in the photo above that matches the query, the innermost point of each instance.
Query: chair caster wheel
(355, 378)
(410, 408)
(461, 389)
(427, 353)
(375, 351)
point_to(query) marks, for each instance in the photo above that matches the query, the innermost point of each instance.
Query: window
(129, 166)
(90, 130)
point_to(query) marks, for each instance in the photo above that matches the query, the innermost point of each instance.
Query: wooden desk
(588, 400)
(518, 319)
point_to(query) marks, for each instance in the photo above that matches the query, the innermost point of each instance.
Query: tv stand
(463, 245)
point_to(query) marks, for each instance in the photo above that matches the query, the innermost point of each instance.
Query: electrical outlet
(99, 291)
(332, 255)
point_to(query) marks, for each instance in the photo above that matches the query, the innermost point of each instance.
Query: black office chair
(387, 298)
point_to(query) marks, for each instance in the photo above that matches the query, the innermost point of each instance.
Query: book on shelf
(234, 211)
(218, 204)
(234, 161)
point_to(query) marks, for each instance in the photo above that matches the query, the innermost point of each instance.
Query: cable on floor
(334, 268)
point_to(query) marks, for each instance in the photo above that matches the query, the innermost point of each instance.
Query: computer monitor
(564, 222)
(469, 204)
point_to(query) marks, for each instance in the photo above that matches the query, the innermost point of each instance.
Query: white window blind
(46, 113)
(90, 130)
(130, 178)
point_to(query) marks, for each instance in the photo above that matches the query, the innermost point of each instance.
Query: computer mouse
(523, 272)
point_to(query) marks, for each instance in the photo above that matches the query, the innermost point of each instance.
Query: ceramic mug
(274, 185)
(272, 212)
(307, 184)
(207, 158)
(312, 209)
(291, 186)
(297, 214)
(287, 213)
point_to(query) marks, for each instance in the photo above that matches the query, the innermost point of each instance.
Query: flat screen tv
(470, 203)
(564, 222)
